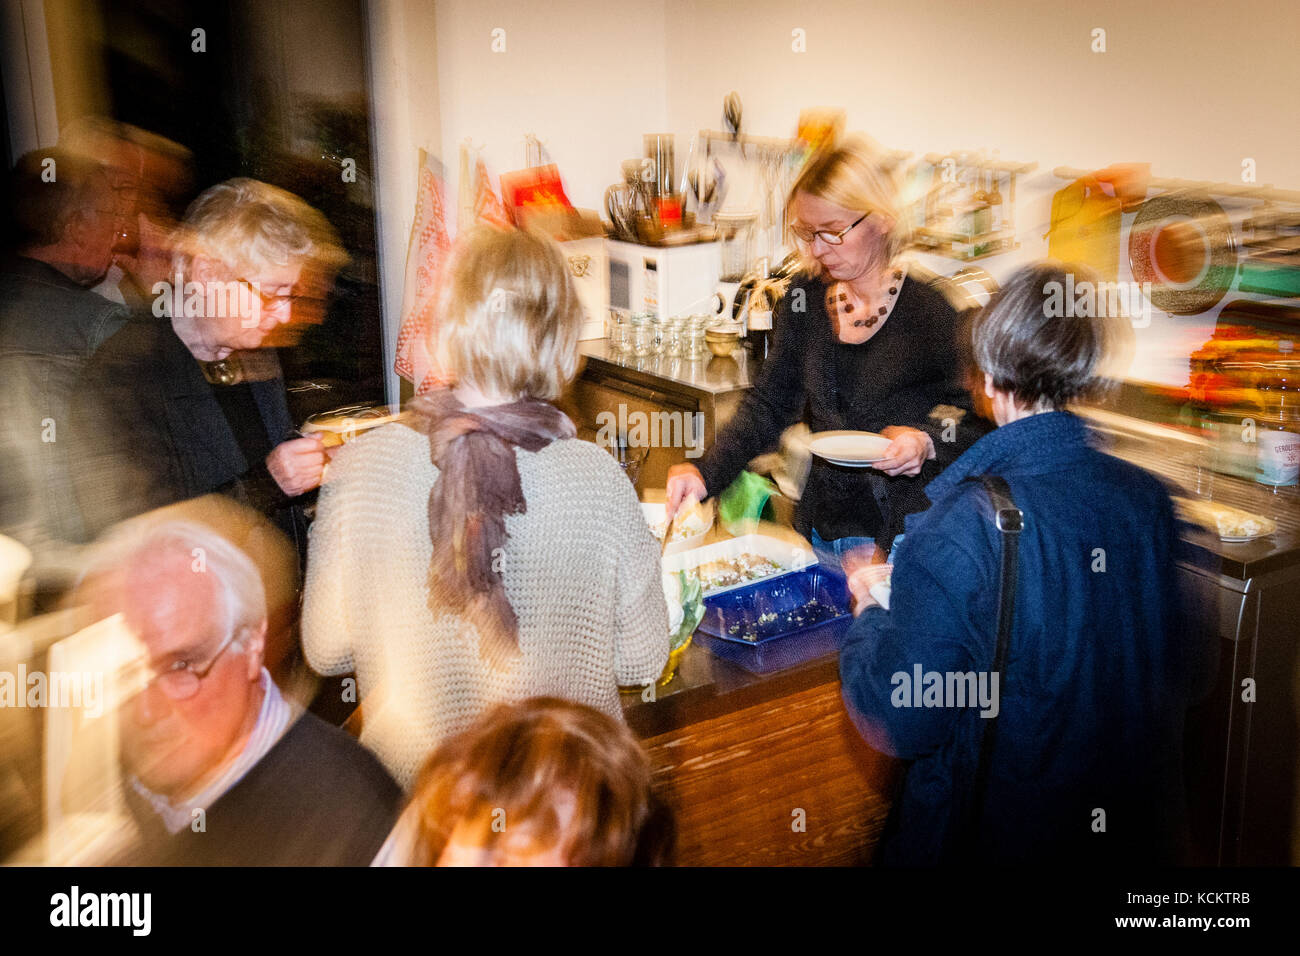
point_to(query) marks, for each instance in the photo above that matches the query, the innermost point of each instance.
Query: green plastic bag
(745, 503)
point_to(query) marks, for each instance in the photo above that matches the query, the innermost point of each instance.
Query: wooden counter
(763, 770)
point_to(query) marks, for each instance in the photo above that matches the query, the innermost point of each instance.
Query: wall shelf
(1266, 193)
(949, 243)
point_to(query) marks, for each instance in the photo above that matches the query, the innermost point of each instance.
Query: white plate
(1242, 539)
(852, 449)
(1206, 514)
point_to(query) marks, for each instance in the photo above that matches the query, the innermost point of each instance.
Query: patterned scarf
(478, 486)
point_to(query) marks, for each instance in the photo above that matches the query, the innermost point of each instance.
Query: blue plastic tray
(771, 625)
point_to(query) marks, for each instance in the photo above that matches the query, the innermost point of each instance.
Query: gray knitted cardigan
(581, 571)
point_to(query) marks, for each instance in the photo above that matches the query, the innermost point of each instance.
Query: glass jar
(658, 334)
(736, 235)
(696, 346)
(674, 343)
(1277, 456)
(1234, 430)
(616, 330)
(640, 335)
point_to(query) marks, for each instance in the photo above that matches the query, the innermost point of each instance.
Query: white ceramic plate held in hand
(852, 449)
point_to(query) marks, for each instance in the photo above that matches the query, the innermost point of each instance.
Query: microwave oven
(665, 281)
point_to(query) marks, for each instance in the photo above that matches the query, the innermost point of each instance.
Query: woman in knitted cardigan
(478, 552)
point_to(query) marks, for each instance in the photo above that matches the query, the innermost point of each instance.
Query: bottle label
(760, 320)
(1277, 460)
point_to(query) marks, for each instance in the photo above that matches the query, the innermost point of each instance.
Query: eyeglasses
(118, 220)
(830, 238)
(181, 679)
(270, 302)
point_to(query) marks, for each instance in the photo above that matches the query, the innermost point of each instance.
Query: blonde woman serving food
(478, 553)
(861, 344)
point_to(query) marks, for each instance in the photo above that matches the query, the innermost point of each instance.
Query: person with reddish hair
(545, 782)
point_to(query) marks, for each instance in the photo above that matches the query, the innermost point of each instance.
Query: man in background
(152, 180)
(64, 226)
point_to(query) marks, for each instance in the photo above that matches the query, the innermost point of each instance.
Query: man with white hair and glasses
(170, 410)
(221, 768)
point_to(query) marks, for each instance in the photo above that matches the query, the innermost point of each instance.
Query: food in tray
(742, 569)
(688, 524)
(1230, 523)
(772, 623)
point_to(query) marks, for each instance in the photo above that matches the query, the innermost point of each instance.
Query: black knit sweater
(318, 798)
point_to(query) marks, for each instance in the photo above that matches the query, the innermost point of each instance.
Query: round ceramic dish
(1185, 248)
(849, 448)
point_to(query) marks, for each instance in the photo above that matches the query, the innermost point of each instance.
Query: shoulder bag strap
(1010, 521)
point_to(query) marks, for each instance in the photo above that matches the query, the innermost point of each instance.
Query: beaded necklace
(843, 303)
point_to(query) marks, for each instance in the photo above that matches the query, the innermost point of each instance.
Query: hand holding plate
(909, 449)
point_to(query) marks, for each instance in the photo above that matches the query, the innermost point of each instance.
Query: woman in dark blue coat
(1090, 704)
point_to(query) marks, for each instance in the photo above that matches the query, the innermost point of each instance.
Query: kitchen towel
(426, 257)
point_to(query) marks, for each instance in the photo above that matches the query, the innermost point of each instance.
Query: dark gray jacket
(49, 328)
(148, 432)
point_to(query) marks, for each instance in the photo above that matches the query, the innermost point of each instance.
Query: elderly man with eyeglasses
(187, 401)
(221, 768)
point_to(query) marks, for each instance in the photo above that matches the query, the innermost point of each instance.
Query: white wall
(405, 117)
(586, 76)
(1190, 86)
